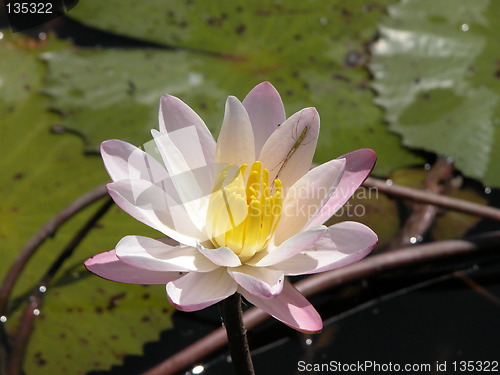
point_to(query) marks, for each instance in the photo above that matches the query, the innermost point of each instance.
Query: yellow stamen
(243, 216)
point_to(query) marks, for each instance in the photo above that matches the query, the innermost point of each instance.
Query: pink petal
(155, 255)
(195, 291)
(343, 244)
(151, 205)
(124, 161)
(223, 256)
(288, 152)
(266, 112)
(306, 197)
(174, 115)
(108, 266)
(291, 308)
(359, 164)
(235, 144)
(262, 282)
(290, 247)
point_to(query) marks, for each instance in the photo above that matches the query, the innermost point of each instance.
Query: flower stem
(237, 336)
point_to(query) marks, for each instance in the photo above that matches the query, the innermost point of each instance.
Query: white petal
(124, 161)
(153, 206)
(343, 244)
(235, 144)
(291, 308)
(289, 248)
(261, 282)
(266, 112)
(183, 162)
(155, 255)
(175, 115)
(306, 197)
(192, 184)
(195, 291)
(223, 256)
(288, 152)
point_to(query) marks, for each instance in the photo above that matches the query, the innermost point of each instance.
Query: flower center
(244, 216)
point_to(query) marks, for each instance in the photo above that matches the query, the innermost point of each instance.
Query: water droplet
(42, 36)
(198, 369)
(487, 190)
(309, 342)
(427, 166)
(388, 182)
(3, 319)
(36, 312)
(42, 289)
(1, 35)
(417, 239)
(465, 27)
(323, 21)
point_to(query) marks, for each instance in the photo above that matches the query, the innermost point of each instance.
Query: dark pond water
(414, 317)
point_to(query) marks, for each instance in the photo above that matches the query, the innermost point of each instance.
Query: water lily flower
(238, 214)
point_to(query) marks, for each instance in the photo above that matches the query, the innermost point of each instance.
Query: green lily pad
(41, 174)
(436, 74)
(313, 52)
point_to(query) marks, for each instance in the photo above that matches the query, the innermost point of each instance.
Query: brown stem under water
(21, 338)
(422, 196)
(423, 215)
(48, 230)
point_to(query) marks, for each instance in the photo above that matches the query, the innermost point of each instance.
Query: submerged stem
(48, 230)
(237, 336)
(426, 197)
